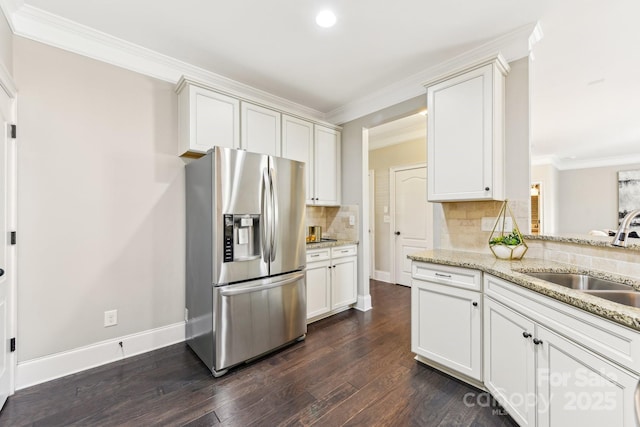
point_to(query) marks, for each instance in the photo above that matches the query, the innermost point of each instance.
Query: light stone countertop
(512, 272)
(322, 245)
(585, 239)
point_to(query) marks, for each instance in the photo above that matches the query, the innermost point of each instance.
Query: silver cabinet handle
(443, 275)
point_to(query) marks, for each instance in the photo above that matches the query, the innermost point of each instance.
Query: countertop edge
(512, 271)
(322, 245)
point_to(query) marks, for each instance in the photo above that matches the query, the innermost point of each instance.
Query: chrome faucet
(620, 239)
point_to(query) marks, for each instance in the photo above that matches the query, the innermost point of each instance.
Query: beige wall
(588, 198)
(101, 201)
(381, 160)
(6, 44)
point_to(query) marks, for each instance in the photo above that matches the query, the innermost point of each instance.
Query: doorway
(536, 208)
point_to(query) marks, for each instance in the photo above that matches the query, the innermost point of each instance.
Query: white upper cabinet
(326, 167)
(260, 129)
(206, 118)
(297, 144)
(465, 134)
(319, 147)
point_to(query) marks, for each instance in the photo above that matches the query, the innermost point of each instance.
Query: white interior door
(412, 218)
(6, 253)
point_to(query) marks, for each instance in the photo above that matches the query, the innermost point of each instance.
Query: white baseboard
(47, 368)
(383, 276)
(364, 303)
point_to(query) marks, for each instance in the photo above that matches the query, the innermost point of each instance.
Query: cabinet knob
(536, 341)
(475, 304)
(486, 188)
(329, 266)
(526, 334)
(397, 233)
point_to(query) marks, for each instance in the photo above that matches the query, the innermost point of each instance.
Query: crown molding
(396, 138)
(513, 45)
(36, 24)
(570, 164)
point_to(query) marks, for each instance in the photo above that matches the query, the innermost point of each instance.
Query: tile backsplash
(334, 221)
(461, 223)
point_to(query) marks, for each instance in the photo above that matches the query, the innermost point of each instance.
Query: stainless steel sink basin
(580, 282)
(630, 298)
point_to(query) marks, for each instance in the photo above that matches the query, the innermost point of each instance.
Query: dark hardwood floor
(353, 369)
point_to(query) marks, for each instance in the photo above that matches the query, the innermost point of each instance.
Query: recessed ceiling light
(326, 19)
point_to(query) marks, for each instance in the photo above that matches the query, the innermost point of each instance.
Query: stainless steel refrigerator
(245, 256)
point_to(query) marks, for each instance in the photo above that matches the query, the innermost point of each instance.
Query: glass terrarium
(506, 241)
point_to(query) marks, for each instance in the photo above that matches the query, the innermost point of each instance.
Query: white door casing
(411, 219)
(7, 251)
(372, 227)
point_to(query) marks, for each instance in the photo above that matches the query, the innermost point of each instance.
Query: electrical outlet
(186, 314)
(352, 220)
(110, 318)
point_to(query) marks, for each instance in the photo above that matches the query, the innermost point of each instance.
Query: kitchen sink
(582, 282)
(630, 298)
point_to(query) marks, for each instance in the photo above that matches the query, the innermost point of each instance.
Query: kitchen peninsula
(538, 347)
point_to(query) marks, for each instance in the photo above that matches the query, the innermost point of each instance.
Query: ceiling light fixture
(326, 19)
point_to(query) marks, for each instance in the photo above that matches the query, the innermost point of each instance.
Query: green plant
(511, 239)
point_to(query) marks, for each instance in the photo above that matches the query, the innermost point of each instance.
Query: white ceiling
(586, 80)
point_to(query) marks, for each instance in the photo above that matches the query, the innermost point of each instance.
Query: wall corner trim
(364, 303)
(47, 368)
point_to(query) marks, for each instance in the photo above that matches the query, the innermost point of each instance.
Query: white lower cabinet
(446, 318)
(547, 363)
(545, 379)
(509, 369)
(331, 280)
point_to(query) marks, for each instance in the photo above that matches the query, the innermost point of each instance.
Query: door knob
(1, 272)
(397, 233)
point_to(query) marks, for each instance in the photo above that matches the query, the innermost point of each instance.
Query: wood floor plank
(354, 368)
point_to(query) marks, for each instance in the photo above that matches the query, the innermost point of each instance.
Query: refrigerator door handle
(259, 286)
(266, 217)
(275, 223)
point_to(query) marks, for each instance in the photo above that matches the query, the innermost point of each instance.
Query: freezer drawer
(253, 318)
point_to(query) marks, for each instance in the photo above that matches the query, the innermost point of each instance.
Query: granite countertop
(512, 272)
(331, 244)
(585, 239)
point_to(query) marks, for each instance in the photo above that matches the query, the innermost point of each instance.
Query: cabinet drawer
(453, 276)
(342, 251)
(318, 255)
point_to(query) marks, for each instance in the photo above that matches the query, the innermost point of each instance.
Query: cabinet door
(460, 139)
(318, 288)
(509, 370)
(447, 326)
(343, 282)
(327, 166)
(578, 388)
(297, 144)
(260, 130)
(207, 118)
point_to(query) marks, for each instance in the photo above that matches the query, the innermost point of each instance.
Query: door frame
(372, 224)
(392, 213)
(9, 92)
